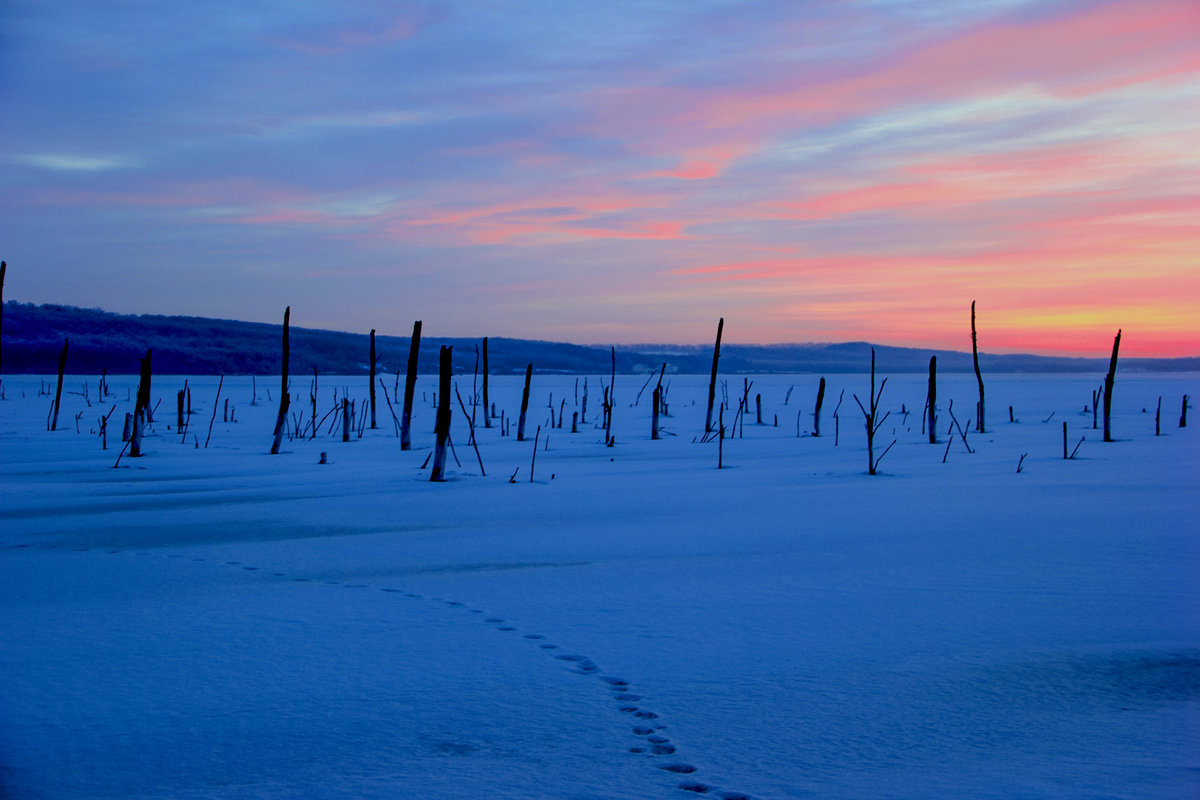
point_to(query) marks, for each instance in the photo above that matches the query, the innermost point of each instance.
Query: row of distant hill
(32, 336)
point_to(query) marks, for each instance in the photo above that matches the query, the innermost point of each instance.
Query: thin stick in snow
(533, 459)
(471, 422)
(216, 402)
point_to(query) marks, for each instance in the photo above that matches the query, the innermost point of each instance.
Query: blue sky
(596, 172)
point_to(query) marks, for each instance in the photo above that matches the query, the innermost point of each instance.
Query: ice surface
(633, 624)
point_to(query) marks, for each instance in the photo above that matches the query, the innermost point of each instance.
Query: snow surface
(224, 623)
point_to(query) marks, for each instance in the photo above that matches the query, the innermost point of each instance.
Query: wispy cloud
(73, 162)
(827, 170)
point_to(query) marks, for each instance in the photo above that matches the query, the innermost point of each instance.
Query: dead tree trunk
(874, 421)
(410, 385)
(1183, 412)
(284, 396)
(442, 428)
(712, 381)
(1108, 387)
(487, 413)
(978, 376)
(817, 410)
(524, 404)
(345, 419)
(612, 400)
(758, 409)
(933, 400)
(654, 413)
(62, 367)
(372, 396)
(141, 408)
(3, 269)
(1158, 418)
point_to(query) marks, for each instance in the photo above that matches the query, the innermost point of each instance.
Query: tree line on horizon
(103, 341)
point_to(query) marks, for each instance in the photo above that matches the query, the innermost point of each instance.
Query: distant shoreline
(32, 336)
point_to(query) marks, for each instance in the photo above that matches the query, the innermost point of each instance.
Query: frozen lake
(634, 623)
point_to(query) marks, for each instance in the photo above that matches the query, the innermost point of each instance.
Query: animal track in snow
(652, 743)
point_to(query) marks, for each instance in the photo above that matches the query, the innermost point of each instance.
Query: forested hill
(31, 339)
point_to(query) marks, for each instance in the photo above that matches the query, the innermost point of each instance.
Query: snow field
(223, 623)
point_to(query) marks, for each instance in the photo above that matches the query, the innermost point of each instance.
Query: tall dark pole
(442, 423)
(410, 385)
(1109, 379)
(933, 400)
(372, 394)
(487, 407)
(284, 396)
(712, 382)
(978, 375)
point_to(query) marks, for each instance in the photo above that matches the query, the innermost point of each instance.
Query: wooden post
(410, 385)
(372, 395)
(978, 375)
(574, 422)
(1183, 412)
(1158, 417)
(1109, 379)
(1095, 408)
(1065, 441)
(442, 429)
(654, 413)
(62, 366)
(179, 410)
(817, 410)
(524, 404)
(933, 400)
(284, 397)
(345, 419)
(712, 381)
(487, 408)
(758, 409)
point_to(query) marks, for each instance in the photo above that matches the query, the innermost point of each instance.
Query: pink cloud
(1092, 50)
(1126, 41)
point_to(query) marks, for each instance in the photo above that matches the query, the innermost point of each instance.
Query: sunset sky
(619, 171)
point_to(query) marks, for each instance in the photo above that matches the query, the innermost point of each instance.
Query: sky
(596, 172)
